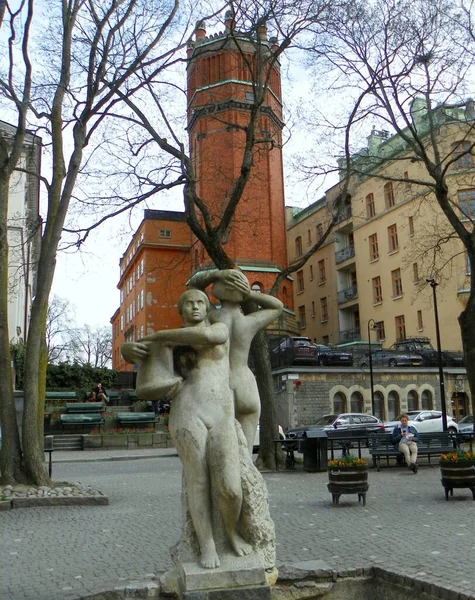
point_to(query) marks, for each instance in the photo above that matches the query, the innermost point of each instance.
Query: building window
(426, 398)
(393, 406)
(302, 317)
(397, 283)
(377, 290)
(373, 247)
(380, 332)
(467, 202)
(122, 322)
(298, 246)
(407, 184)
(420, 322)
(415, 272)
(462, 151)
(142, 303)
(319, 231)
(311, 272)
(392, 238)
(322, 276)
(323, 309)
(400, 328)
(313, 310)
(309, 237)
(411, 225)
(412, 400)
(468, 266)
(165, 233)
(121, 296)
(370, 209)
(389, 194)
(300, 281)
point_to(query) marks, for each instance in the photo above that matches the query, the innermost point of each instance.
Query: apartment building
(153, 272)
(390, 233)
(24, 233)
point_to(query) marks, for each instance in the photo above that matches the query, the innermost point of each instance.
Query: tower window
(165, 233)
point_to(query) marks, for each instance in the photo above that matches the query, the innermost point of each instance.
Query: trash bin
(314, 448)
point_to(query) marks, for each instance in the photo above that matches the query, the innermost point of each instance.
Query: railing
(350, 335)
(350, 293)
(345, 254)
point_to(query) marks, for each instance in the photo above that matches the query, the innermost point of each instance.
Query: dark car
(329, 356)
(281, 350)
(466, 427)
(345, 422)
(430, 356)
(390, 358)
(305, 351)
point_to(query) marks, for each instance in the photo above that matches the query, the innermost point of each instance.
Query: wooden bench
(81, 414)
(136, 418)
(61, 396)
(429, 444)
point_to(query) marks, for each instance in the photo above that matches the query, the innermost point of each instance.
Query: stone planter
(92, 441)
(145, 440)
(114, 441)
(457, 474)
(348, 480)
(5, 505)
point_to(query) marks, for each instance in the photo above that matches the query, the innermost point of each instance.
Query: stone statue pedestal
(238, 578)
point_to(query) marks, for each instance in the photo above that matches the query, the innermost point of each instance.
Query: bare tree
(65, 90)
(92, 346)
(59, 324)
(406, 67)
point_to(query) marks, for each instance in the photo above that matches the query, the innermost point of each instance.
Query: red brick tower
(220, 99)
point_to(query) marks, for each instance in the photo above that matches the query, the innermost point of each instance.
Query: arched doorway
(427, 400)
(379, 405)
(339, 403)
(412, 400)
(356, 402)
(393, 406)
(460, 406)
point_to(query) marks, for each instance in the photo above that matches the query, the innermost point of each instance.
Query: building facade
(24, 233)
(369, 277)
(153, 272)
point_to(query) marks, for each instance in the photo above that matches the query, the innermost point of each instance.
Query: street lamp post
(433, 284)
(371, 325)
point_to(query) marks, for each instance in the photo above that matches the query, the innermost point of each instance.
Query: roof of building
(164, 215)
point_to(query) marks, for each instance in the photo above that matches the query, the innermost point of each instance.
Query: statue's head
(225, 291)
(193, 306)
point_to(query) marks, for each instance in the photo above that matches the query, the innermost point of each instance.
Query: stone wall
(306, 393)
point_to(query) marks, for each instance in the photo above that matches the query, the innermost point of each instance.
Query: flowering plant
(458, 456)
(348, 461)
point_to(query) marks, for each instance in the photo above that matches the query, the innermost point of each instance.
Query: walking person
(407, 437)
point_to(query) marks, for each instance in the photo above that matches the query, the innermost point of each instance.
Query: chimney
(229, 20)
(200, 30)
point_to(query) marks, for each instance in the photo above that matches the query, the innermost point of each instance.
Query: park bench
(61, 396)
(429, 444)
(82, 414)
(136, 418)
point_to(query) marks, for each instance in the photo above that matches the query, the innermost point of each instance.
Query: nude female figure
(202, 421)
(231, 287)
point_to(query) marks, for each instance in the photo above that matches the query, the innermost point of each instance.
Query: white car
(256, 439)
(425, 421)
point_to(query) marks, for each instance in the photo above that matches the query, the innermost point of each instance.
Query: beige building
(390, 237)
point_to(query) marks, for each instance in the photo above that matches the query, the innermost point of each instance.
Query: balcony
(343, 214)
(350, 335)
(347, 295)
(344, 254)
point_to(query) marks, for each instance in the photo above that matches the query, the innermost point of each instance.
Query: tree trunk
(269, 430)
(467, 327)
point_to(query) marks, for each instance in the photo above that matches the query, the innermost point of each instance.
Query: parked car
(390, 358)
(281, 350)
(354, 422)
(430, 357)
(329, 356)
(305, 351)
(425, 421)
(257, 440)
(466, 427)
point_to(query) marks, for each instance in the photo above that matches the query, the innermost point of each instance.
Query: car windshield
(423, 345)
(466, 420)
(412, 414)
(325, 420)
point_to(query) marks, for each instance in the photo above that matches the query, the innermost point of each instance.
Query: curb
(112, 458)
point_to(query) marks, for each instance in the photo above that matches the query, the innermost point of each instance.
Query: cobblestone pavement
(67, 553)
